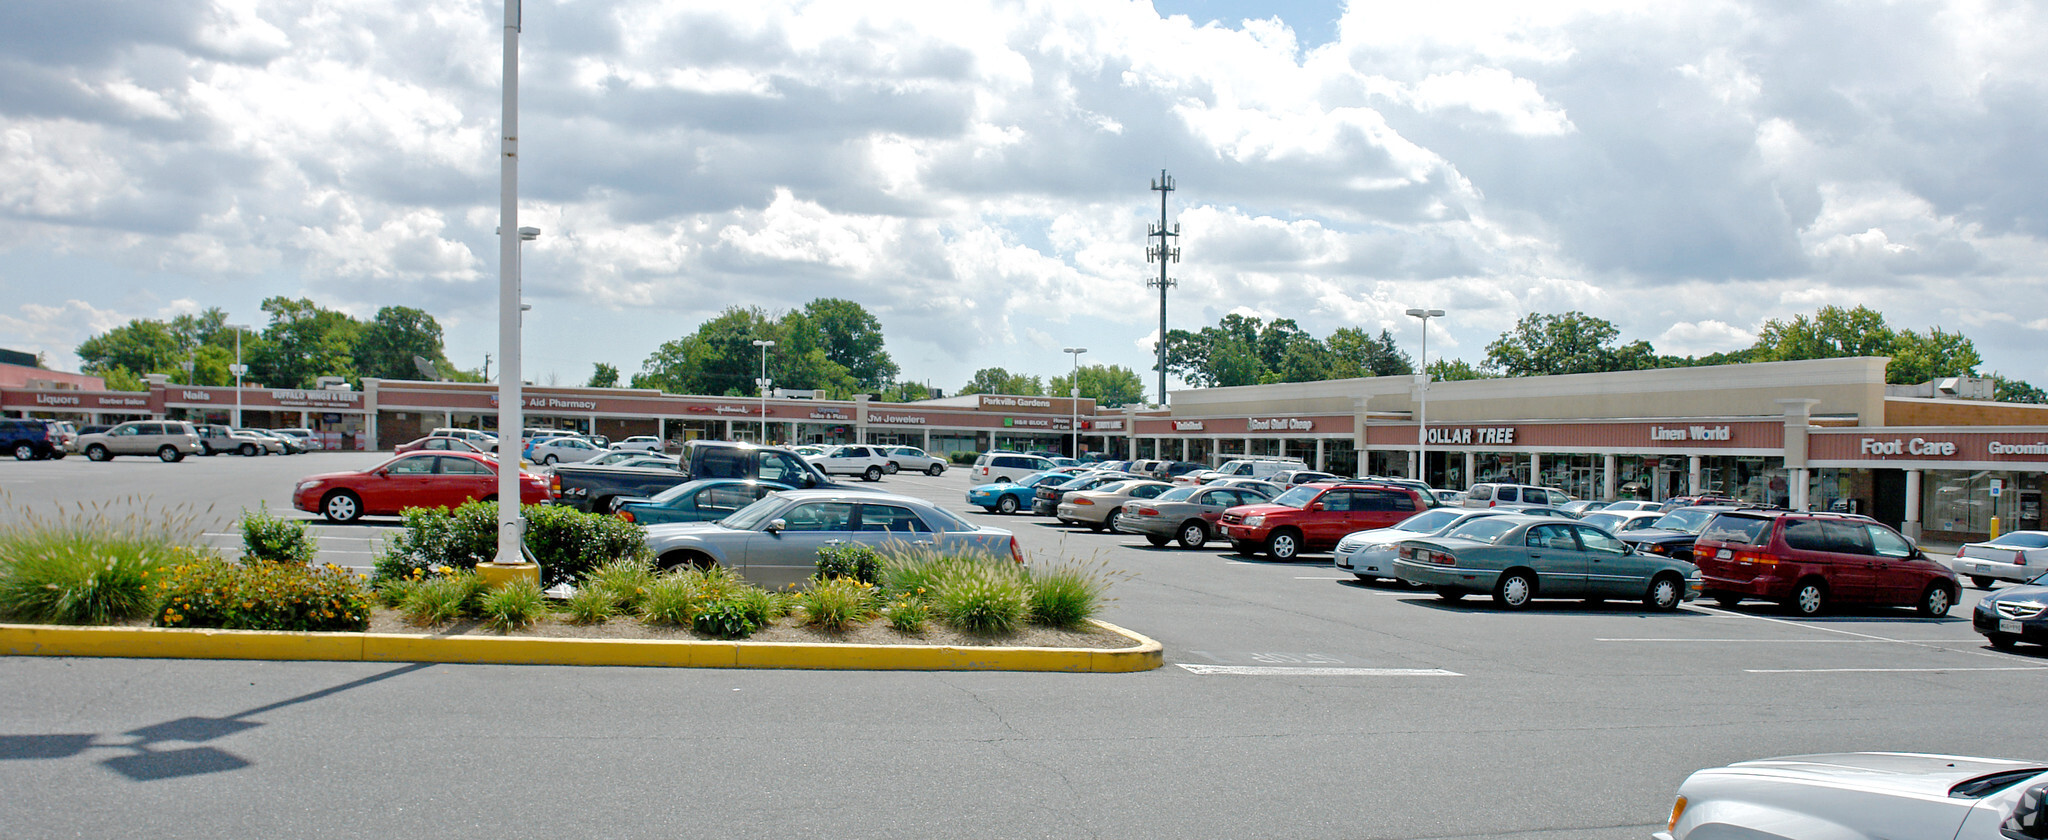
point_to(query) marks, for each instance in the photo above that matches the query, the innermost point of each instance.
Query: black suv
(29, 439)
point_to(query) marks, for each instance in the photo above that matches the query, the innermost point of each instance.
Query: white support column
(447, 419)
(1414, 464)
(1471, 463)
(1693, 483)
(728, 430)
(1183, 449)
(1912, 523)
(1536, 468)
(1796, 481)
(1319, 455)
(1608, 485)
(1247, 447)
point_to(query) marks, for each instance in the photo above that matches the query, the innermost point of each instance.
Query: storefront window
(1339, 457)
(1500, 467)
(1748, 478)
(1576, 474)
(1961, 501)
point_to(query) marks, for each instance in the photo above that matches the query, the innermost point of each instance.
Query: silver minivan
(170, 440)
(1513, 495)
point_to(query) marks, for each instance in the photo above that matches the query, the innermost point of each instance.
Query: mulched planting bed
(787, 630)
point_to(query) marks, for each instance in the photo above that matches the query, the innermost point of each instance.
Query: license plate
(2007, 625)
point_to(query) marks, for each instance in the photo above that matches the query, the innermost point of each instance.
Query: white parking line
(1796, 641)
(1326, 577)
(1884, 670)
(1283, 671)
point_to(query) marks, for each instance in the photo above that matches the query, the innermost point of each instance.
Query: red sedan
(437, 444)
(414, 479)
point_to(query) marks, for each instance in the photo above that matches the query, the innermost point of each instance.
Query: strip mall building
(1819, 434)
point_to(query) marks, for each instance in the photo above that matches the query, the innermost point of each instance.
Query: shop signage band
(1279, 424)
(1187, 425)
(1691, 433)
(1468, 436)
(902, 419)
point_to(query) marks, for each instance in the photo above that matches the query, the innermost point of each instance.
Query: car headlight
(1383, 547)
(1254, 521)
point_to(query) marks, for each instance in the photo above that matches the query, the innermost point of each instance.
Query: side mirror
(776, 526)
(1315, 506)
(2029, 819)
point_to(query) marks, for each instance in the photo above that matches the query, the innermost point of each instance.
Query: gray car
(170, 440)
(1519, 558)
(1186, 514)
(1369, 555)
(775, 541)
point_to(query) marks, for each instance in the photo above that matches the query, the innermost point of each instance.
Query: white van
(996, 467)
(1513, 495)
(1259, 468)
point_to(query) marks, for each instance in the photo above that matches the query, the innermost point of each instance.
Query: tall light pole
(510, 563)
(1422, 418)
(1074, 422)
(239, 370)
(763, 384)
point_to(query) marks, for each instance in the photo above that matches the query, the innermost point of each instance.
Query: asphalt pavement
(1295, 702)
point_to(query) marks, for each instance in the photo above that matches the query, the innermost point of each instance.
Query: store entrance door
(1888, 497)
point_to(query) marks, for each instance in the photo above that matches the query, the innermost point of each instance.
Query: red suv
(1809, 561)
(1313, 517)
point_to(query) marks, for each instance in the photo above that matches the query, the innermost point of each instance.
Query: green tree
(1831, 333)
(137, 347)
(1000, 381)
(605, 376)
(1919, 358)
(1454, 370)
(385, 346)
(303, 343)
(1355, 353)
(121, 379)
(1109, 385)
(1574, 342)
(2016, 390)
(852, 339)
(1245, 350)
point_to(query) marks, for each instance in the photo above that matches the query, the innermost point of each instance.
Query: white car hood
(1914, 773)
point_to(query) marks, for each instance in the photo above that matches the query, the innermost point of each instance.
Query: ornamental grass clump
(1065, 596)
(985, 599)
(670, 600)
(590, 605)
(89, 567)
(272, 539)
(442, 598)
(625, 581)
(215, 593)
(837, 604)
(514, 606)
(908, 614)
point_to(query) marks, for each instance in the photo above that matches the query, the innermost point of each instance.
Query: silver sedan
(775, 541)
(1368, 555)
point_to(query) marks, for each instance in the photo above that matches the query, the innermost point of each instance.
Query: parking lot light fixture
(763, 383)
(1422, 377)
(1074, 402)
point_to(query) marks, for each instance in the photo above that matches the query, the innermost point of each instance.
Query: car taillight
(626, 515)
(1016, 554)
(1084, 501)
(1751, 557)
(1145, 511)
(1441, 558)
(555, 485)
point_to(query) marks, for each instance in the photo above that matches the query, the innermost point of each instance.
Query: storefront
(1945, 483)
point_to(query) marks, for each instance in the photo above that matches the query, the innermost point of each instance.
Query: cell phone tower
(1162, 253)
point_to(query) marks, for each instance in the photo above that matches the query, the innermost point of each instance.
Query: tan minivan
(170, 440)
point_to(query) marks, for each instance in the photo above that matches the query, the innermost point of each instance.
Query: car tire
(1193, 535)
(170, 454)
(894, 468)
(935, 470)
(873, 473)
(1727, 600)
(2002, 641)
(97, 452)
(685, 560)
(1245, 549)
(1515, 590)
(1450, 594)
(1809, 599)
(24, 451)
(1666, 593)
(1006, 505)
(1157, 541)
(1109, 522)
(549, 460)
(341, 507)
(1284, 545)
(1982, 582)
(248, 450)
(1936, 601)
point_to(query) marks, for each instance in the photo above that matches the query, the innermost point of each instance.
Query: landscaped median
(1143, 654)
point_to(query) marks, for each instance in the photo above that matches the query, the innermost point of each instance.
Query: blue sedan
(696, 501)
(1011, 496)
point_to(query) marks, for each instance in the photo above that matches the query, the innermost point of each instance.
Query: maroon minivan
(1810, 561)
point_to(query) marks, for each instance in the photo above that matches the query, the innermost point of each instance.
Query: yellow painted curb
(1144, 654)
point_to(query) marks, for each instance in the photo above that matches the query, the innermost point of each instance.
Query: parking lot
(1295, 702)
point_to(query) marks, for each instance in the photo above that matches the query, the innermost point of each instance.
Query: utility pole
(487, 367)
(1162, 253)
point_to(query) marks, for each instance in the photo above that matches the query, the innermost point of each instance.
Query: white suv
(1260, 468)
(913, 459)
(868, 462)
(1514, 495)
(643, 443)
(1001, 467)
(170, 440)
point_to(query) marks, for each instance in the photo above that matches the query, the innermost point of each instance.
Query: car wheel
(935, 469)
(894, 468)
(872, 474)
(97, 452)
(1982, 582)
(1449, 594)
(1727, 599)
(1284, 545)
(248, 450)
(1194, 535)
(1515, 590)
(2002, 641)
(1811, 598)
(685, 560)
(1244, 548)
(1157, 541)
(341, 506)
(1934, 603)
(24, 452)
(1666, 593)
(989, 508)
(1109, 522)
(1006, 505)
(549, 460)
(170, 454)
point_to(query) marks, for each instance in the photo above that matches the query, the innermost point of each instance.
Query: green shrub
(624, 581)
(591, 605)
(568, 543)
(441, 599)
(908, 615)
(276, 540)
(724, 618)
(90, 568)
(962, 459)
(1065, 596)
(837, 604)
(433, 537)
(671, 599)
(263, 596)
(512, 606)
(858, 562)
(760, 605)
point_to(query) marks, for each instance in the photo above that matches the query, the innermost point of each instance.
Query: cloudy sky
(977, 174)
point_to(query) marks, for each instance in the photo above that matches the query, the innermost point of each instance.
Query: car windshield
(1606, 521)
(1429, 522)
(1298, 497)
(675, 492)
(1684, 519)
(752, 517)
(1487, 529)
(1177, 494)
(2022, 539)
